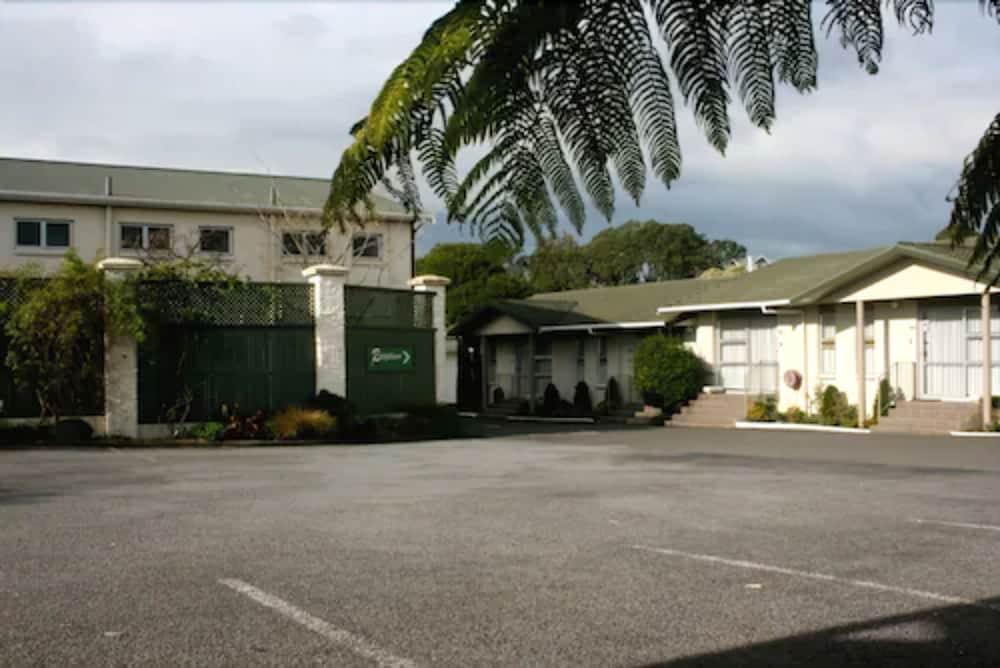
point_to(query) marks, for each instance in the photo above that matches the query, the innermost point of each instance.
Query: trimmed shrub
(550, 400)
(612, 395)
(582, 405)
(665, 367)
(763, 410)
(796, 415)
(833, 410)
(302, 423)
(885, 397)
(498, 395)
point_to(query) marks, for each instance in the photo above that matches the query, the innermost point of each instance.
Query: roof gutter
(731, 306)
(602, 325)
(178, 205)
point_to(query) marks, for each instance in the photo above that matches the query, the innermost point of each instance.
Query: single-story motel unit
(912, 313)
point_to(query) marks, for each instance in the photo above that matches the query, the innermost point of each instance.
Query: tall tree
(479, 274)
(557, 265)
(563, 88)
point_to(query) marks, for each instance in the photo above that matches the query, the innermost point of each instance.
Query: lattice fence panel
(382, 307)
(237, 305)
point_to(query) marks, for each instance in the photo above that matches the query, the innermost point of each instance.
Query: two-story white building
(263, 227)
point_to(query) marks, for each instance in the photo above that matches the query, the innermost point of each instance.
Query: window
(828, 343)
(542, 365)
(215, 240)
(145, 237)
(581, 359)
(303, 243)
(368, 246)
(871, 368)
(602, 360)
(42, 234)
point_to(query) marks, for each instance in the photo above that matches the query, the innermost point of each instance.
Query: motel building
(913, 314)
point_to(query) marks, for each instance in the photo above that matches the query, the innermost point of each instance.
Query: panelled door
(748, 354)
(951, 354)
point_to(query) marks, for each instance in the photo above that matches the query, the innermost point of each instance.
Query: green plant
(612, 395)
(207, 431)
(763, 410)
(550, 401)
(582, 405)
(56, 329)
(796, 415)
(885, 399)
(666, 367)
(831, 404)
(292, 423)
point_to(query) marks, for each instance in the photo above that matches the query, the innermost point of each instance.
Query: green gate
(390, 349)
(247, 347)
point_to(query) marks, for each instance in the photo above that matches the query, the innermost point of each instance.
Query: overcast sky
(274, 86)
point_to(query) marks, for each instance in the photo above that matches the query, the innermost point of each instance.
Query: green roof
(798, 280)
(173, 185)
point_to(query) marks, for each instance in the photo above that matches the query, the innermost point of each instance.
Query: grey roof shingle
(175, 185)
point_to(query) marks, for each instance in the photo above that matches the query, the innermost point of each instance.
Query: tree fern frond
(860, 26)
(750, 59)
(976, 204)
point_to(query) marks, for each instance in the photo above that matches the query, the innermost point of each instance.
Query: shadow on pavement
(955, 635)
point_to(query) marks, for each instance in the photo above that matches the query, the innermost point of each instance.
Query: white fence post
(331, 336)
(445, 374)
(121, 365)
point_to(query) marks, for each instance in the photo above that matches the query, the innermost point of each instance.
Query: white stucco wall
(256, 242)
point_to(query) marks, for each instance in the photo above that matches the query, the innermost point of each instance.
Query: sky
(275, 86)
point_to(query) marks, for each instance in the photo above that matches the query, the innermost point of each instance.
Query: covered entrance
(951, 352)
(748, 354)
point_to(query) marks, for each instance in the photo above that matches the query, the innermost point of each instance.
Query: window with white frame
(367, 246)
(581, 359)
(302, 243)
(602, 360)
(871, 368)
(828, 343)
(216, 240)
(542, 364)
(41, 234)
(145, 237)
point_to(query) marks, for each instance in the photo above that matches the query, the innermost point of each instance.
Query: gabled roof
(172, 185)
(793, 281)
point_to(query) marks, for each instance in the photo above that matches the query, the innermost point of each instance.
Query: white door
(952, 352)
(748, 354)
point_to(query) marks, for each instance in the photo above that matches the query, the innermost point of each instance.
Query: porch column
(987, 356)
(859, 359)
(531, 373)
(444, 386)
(331, 343)
(484, 370)
(121, 365)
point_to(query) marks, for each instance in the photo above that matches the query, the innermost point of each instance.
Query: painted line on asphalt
(960, 525)
(346, 639)
(822, 577)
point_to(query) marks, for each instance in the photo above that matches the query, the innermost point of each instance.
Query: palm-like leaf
(564, 94)
(976, 204)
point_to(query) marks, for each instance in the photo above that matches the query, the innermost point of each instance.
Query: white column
(444, 382)
(121, 365)
(859, 352)
(987, 356)
(331, 342)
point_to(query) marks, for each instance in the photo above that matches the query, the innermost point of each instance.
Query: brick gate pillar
(121, 365)
(331, 335)
(445, 372)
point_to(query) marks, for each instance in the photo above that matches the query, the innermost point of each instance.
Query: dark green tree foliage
(560, 264)
(666, 368)
(479, 274)
(569, 93)
(583, 405)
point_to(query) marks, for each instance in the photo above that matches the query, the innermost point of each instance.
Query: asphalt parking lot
(636, 548)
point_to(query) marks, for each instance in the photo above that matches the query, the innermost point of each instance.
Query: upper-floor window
(368, 246)
(215, 240)
(134, 236)
(303, 243)
(35, 234)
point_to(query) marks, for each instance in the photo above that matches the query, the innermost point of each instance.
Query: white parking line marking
(345, 639)
(822, 577)
(960, 525)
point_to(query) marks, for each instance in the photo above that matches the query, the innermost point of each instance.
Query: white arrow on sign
(406, 357)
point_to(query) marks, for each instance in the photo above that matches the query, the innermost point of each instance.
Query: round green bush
(665, 367)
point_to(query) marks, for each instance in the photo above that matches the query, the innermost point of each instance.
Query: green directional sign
(390, 358)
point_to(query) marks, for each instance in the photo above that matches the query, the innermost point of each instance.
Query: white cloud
(275, 86)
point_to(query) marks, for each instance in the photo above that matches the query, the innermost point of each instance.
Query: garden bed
(799, 426)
